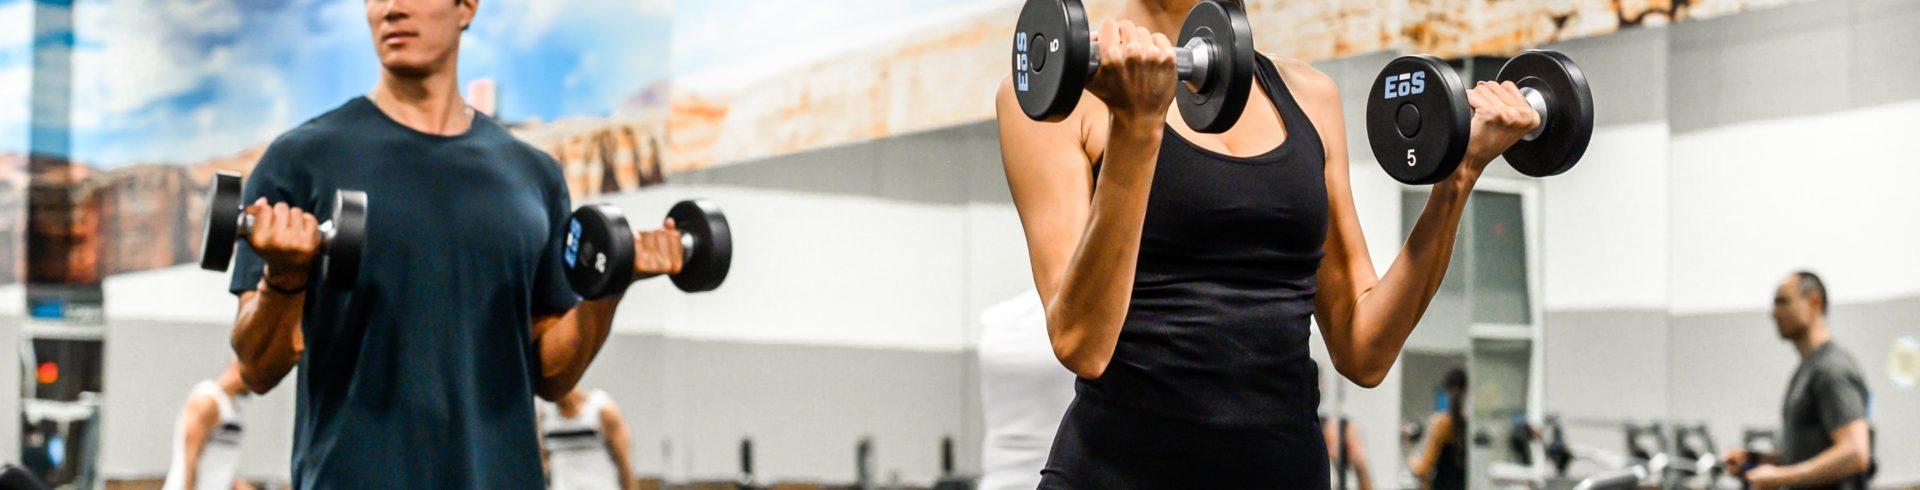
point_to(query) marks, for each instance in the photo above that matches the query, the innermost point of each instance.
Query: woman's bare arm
(1366, 318)
(1084, 239)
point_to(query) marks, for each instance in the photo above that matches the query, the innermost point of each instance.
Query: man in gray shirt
(1825, 441)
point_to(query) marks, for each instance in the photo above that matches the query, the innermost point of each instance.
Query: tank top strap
(1299, 126)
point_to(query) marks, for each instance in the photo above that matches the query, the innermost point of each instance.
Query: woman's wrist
(1138, 122)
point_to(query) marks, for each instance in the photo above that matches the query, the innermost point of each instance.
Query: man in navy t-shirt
(423, 374)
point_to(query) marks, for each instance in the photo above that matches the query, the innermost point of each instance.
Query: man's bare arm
(1849, 456)
(568, 343)
(197, 419)
(266, 337)
(619, 443)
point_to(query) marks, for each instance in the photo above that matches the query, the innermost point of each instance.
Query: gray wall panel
(1796, 60)
(1884, 67)
(1782, 62)
(1628, 73)
(806, 406)
(1606, 366)
(149, 368)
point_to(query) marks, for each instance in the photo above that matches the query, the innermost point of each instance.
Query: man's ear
(472, 7)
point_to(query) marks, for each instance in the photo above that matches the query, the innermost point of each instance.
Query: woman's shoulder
(1303, 79)
(1311, 88)
(1075, 127)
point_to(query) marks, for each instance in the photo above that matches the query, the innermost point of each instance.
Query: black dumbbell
(600, 251)
(1418, 119)
(343, 238)
(1053, 57)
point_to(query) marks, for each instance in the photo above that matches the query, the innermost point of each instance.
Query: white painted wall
(815, 269)
(1831, 192)
(1605, 224)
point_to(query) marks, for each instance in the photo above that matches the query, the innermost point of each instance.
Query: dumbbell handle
(687, 244)
(1190, 62)
(326, 229)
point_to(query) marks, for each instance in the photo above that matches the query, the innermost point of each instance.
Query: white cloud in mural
(188, 80)
(535, 20)
(16, 24)
(16, 38)
(14, 81)
(146, 75)
(133, 52)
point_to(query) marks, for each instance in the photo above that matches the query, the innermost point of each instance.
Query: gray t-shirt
(1827, 392)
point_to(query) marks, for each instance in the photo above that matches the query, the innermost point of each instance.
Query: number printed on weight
(1411, 159)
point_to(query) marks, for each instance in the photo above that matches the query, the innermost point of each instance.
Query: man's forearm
(568, 345)
(1833, 465)
(263, 337)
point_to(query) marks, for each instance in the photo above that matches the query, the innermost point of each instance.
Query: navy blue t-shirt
(422, 375)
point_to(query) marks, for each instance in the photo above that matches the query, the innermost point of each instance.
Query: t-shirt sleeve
(551, 293)
(1840, 398)
(278, 177)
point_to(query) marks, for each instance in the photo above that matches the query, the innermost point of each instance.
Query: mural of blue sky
(16, 51)
(723, 43)
(186, 80)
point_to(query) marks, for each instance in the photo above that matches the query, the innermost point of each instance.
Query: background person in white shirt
(1024, 390)
(206, 440)
(586, 442)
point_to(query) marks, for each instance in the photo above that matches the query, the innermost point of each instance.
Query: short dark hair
(1809, 284)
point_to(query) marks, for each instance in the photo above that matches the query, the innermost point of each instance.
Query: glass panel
(1499, 247)
(1486, 286)
(1444, 327)
(1498, 396)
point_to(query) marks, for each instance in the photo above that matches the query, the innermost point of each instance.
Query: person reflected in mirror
(1441, 460)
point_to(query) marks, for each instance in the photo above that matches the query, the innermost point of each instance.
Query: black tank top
(1450, 471)
(1218, 327)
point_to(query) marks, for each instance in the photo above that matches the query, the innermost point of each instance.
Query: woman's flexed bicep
(1083, 240)
(1052, 184)
(1365, 317)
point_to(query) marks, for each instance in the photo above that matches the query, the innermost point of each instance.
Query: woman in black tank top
(1442, 459)
(1180, 272)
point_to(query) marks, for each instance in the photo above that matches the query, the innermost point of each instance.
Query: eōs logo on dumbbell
(1214, 59)
(599, 234)
(1419, 136)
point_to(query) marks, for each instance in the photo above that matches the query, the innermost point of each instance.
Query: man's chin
(406, 68)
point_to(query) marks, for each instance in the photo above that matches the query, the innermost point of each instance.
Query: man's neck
(1815, 338)
(430, 104)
